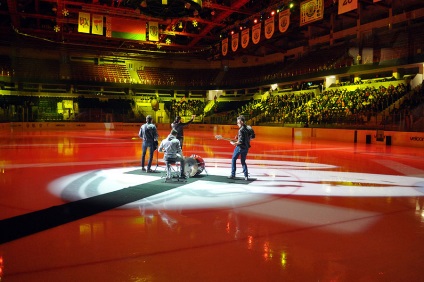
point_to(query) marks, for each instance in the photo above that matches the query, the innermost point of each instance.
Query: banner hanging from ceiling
(347, 6)
(245, 38)
(153, 31)
(269, 27)
(97, 25)
(284, 20)
(126, 29)
(224, 46)
(234, 42)
(256, 33)
(84, 22)
(311, 11)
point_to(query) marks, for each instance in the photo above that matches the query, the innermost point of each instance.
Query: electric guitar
(219, 137)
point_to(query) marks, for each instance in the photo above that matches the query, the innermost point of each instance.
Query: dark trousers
(181, 139)
(145, 146)
(243, 155)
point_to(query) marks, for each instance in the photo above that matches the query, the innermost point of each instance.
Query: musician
(172, 148)
(242, 145)
(179, 127)
(148, 132)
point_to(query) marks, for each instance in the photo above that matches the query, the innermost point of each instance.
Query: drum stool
(172, 171)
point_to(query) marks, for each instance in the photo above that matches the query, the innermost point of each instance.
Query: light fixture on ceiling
(143, 4)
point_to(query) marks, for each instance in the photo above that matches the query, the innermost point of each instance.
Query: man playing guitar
(242, 145)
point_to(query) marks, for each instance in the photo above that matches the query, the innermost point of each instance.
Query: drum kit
(194, 165)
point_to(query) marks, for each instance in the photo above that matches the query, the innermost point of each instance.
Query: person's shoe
(183, 176)
(143, 169)
(231, 177)
(246, 178)
(150, 170)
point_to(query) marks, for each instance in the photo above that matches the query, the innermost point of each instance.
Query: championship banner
(234, 41)
(311, 11)
(245, 38)
(84, 22)
(126, 29)
(269, 27)
(284, 20)
(256, 33)
(97, 25)
(224, 46)
(153, 31)
(347, 6)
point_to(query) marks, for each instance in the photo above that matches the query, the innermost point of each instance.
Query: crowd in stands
(335, 105)
(328, 107)
(186, 107)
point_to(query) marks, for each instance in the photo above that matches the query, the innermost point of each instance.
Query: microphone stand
(157, 160)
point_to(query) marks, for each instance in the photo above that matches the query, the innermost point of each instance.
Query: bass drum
(200, 164)
(190, 167)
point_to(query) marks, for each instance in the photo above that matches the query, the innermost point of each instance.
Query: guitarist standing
(242, 145)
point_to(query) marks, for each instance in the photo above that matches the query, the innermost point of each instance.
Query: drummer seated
(172, 161)
(171, 147)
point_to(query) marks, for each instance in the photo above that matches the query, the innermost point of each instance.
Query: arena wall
(388, 138)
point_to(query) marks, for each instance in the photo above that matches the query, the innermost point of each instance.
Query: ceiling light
(143, 4)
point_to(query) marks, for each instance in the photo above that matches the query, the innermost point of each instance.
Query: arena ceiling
(191, 28)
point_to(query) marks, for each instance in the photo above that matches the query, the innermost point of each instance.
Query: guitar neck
(219, 137)
(228, 139)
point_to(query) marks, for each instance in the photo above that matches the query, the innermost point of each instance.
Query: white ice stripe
(10, 166)
(402, 168)
(336, 219)
(391, 155)
(316, 149)
(58, 143)
(268, 164)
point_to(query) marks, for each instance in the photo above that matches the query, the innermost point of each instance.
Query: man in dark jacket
(149, 134)
(242, 145)
(179, 127)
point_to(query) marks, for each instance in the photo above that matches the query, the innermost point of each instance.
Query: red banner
(284, 20)
(234, 42)
(225, 46)
(256, 33)
(269, 27)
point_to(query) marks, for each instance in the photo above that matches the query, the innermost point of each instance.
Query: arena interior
(332, 88)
